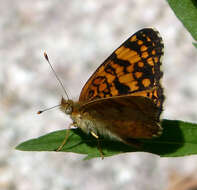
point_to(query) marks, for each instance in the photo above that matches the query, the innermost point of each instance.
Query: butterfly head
(66, 106)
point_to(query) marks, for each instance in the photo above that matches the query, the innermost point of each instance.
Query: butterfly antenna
(41, 111)
(56, 76)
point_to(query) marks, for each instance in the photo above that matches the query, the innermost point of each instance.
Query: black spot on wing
(122, 89)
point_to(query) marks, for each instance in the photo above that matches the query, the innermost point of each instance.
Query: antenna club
(39, 112)
(46, 56)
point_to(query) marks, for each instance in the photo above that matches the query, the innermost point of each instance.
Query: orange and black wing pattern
(132, 69)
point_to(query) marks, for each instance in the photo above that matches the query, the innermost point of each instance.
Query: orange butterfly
(123, 98)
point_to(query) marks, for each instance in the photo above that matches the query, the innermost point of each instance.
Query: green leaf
(195, 44)
(178, 139)
(186, 11)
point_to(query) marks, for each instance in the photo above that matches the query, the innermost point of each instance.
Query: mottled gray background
(78, 35)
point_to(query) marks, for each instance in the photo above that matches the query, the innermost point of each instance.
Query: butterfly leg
(98, 145)
(65, 139)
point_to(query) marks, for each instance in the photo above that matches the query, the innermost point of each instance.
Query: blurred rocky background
(78, 36)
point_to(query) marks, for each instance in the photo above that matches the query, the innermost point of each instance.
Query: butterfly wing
(124, 94)
(128, 117)
(134, 67)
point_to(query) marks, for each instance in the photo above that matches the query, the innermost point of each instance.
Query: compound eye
(68, 110)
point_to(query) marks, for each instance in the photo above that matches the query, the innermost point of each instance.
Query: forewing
(132, 68)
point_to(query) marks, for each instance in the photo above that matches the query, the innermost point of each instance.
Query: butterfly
(123, 98)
